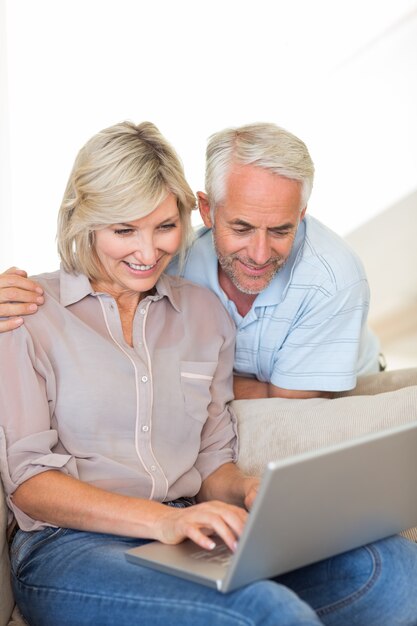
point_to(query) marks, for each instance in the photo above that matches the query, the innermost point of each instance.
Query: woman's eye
(169, 226)
(123, 231)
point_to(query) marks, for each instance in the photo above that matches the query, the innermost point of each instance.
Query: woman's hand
(200, 521)
(18, 296)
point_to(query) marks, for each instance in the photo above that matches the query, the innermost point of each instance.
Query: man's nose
(259, 249)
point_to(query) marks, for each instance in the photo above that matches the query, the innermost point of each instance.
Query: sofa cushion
(274, 428)
(390, 380)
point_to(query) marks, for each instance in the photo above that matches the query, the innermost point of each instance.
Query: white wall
(387, 246)
(340, 75)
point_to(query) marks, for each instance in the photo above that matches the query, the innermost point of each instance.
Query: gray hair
(263, 145)
(122, 173)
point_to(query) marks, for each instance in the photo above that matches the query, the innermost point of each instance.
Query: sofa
(273, 428)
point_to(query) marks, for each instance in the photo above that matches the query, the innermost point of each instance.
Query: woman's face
(134, 254)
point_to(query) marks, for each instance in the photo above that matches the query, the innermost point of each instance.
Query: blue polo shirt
(308, 329)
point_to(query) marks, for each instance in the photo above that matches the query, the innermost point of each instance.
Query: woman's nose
(145, 252)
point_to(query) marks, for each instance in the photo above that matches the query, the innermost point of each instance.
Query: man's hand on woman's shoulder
(18, 296)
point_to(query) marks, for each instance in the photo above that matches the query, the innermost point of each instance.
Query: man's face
(254, 229)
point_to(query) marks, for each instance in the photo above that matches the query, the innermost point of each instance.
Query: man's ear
(204, 208)
(303, 213)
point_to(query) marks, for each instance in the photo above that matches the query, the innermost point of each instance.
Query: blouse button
(144, 379)
(145, 428)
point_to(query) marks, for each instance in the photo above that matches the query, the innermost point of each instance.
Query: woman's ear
(204, 208)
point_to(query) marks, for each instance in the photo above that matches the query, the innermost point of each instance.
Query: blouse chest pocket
(196, 379)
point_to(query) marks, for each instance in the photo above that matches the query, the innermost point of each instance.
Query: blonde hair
(262, 144)
(121, 174)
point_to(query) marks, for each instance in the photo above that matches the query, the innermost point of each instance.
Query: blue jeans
(64, 577)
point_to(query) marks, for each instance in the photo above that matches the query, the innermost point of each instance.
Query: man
(297, 293)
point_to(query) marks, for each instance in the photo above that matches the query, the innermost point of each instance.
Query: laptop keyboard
(220, 555)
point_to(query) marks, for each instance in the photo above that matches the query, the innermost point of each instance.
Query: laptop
(309, 507)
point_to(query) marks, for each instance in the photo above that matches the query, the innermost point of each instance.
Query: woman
(114, 404)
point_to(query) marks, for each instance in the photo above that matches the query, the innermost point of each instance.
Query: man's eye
(280, 233)
(241, 231)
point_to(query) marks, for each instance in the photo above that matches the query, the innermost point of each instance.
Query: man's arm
(250, 388)
(18, 296)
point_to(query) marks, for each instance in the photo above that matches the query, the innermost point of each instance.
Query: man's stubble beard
(226, 264)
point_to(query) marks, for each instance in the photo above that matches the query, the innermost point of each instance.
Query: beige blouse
(149, 421)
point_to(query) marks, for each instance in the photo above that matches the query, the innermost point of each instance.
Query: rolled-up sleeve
(27, 390)
(321, 351)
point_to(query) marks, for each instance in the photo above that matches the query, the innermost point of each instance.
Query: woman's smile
(133, 255)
